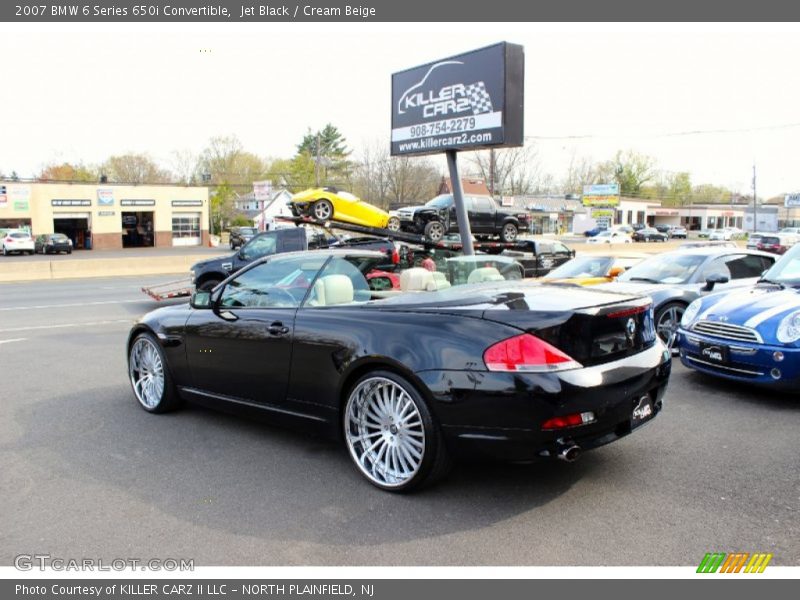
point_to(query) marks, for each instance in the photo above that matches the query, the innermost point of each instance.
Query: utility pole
(491, 172)
(316, 163)
(755, 201)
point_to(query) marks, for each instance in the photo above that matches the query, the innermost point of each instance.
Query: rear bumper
(501, 416)
(748, 362)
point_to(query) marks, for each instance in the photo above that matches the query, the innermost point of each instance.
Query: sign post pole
(458, 200)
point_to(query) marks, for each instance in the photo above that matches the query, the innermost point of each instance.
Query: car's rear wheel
(391, 434)
(150, 378)
(668, 319)
(322, 210)
(509, 233)
(434, 231)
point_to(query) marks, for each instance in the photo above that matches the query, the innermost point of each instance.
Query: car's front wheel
(208, 285)
(322, 210)
(668, 319)
(150, 378)
(394, 224)
(391, 434)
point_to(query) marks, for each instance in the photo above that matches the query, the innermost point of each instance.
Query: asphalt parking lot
(87, 473)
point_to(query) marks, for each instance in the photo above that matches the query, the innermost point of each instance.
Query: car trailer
(180, 288)
(183, 288)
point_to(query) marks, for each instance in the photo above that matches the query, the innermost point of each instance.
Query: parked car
(610, 237)
(628, 229)
(674, 279)
(52, 242)
(777, 244)
(791, 230)
(207, 274)
(704, 233)
(638, 226)
(592, 269)
(753, 239)
(241, 235)
(437, 217)
(665, 229)
(749, 335)
(538, 257)
(678, 231)
(324, 204)
(500, 368)
(594, 231)
(649, 234)
(17, 241)
(726, 234)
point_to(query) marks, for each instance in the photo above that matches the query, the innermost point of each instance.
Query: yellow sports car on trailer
(324, 204)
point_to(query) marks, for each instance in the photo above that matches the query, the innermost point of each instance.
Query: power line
(664, 135)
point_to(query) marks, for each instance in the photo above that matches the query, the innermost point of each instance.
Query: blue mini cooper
(750, 335)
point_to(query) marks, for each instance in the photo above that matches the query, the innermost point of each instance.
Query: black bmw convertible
(409, 379)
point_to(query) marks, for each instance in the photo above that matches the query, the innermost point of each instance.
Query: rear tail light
(628, 312)
(573, 420)
(395, 256)
(527, 354)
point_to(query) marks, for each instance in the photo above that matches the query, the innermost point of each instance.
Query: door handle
(277, 328)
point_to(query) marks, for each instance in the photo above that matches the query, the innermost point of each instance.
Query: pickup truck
(208, 273)
(437, 218)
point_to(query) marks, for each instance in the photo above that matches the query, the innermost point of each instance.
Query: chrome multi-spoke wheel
(385, 432)
(149, 375)
(322, 210)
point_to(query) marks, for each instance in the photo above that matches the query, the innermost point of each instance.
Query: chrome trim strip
(722, 367)
(268, 407)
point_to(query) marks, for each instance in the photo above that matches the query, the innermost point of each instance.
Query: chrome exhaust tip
(569, 453)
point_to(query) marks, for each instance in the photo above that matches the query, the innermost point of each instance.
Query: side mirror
(615, 272)
(714, 279)
(200, 300)
(241, 254)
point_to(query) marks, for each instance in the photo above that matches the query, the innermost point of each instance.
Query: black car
(508, 369)
(207, 274)
(539, 257)
(52, 242)
(241, 235)
(649, 234)
(438, 217)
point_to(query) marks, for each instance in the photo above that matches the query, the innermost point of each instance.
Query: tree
(679, 189)
(581, 171)
(67, 172)
(134, 168)
(185, 166)
(629, 169)
(330, 147)
(221, 205)
(517, 171)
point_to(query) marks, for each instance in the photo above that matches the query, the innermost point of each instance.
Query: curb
(99, 267)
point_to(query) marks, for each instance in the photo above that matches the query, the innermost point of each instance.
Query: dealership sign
(791, 200)
(105, 197)
(470, 101)
(603, 194)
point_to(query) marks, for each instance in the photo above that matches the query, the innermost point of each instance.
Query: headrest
(333, 289)
(415, 280)
(484, 274)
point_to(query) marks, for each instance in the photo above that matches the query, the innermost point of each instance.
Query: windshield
(605, 234)
(443, 201)
(583, 266)
(247, 231)
(665, 268)
(787, 269)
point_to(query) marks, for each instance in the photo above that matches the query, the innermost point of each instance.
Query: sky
(80, 93)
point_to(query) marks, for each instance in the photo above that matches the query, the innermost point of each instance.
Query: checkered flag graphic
(479, 98)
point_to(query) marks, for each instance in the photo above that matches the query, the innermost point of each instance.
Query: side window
(263, 245)
(745, 266)
(275, 284)
(766, 263)
(340, 282)
(483, 205)
(560, 248)
(735, 266)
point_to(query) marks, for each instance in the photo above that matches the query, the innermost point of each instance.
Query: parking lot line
(66, 325)
(41, 306)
